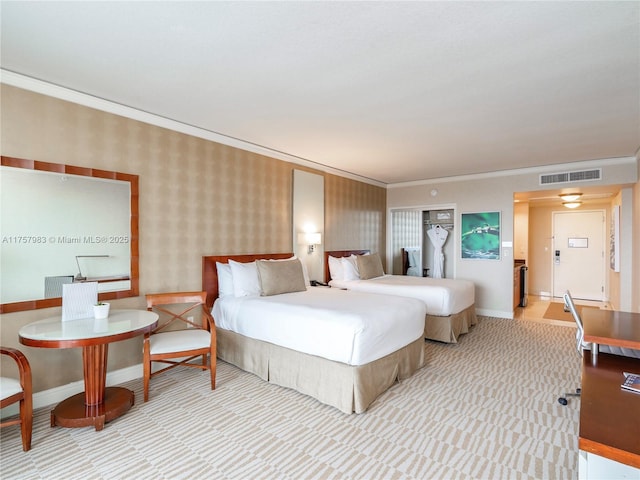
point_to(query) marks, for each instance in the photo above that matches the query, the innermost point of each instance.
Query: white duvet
(348, 327)
(442, 296)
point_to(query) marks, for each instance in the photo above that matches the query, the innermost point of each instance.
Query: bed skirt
(346, 387)
(448, 329)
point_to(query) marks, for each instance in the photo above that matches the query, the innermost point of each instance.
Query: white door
(578, 254)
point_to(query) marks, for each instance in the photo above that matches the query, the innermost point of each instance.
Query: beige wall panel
(197, 197)
(355, 215)
(521, 231)
(540, 250)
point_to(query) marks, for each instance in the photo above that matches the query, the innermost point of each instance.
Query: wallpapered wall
(197, 197)
(355, 215)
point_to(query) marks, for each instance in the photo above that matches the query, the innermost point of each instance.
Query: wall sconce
(310, 239)
(79, 277)
(571, 200)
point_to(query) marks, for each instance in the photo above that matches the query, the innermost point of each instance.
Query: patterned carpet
(485, 408)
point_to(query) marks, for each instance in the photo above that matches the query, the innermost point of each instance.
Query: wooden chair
(179, 338)
(13, 390)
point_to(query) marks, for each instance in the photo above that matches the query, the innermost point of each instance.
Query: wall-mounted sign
(578, 243)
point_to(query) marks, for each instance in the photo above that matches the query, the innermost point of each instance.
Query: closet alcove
(409, 230)
(434, 220)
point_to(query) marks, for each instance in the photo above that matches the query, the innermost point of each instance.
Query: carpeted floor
(485, 408)
(555, 311)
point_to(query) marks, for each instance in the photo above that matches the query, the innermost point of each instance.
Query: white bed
(351, 328)
(442, 296)
(343, 349)
(450, 303)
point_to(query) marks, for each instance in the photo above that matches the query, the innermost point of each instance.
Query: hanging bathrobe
(438, 236)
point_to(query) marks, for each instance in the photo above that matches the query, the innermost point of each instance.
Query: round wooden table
(97, 404)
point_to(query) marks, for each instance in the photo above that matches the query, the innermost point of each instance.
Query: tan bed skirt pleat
(348, 388)
(448, 329)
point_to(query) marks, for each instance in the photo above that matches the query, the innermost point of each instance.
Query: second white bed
(450, 303)
(443, 296)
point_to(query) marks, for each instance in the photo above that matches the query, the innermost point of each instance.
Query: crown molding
(62, 93)
(557, 167)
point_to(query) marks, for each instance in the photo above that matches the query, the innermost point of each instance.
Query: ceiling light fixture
(570, 197)
(571, 204)
(571, 200)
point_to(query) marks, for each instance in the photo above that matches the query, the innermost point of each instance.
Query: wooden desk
(97, 404)
(610, 327)
(609, 415)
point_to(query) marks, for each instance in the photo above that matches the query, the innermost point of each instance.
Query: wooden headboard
(338, 254)
(210, 273)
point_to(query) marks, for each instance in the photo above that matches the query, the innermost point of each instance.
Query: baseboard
(494, 313)
(57, 394)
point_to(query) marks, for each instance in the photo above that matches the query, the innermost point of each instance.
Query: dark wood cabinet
(516, 286)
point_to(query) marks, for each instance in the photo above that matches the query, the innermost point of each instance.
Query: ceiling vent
(568, 177)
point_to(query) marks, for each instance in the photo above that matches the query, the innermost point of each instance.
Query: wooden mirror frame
(134, 243)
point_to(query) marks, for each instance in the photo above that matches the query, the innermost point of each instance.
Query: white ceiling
(392, 91)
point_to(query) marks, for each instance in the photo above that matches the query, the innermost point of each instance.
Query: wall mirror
(63, 224)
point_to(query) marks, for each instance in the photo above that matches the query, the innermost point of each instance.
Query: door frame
(604, 257)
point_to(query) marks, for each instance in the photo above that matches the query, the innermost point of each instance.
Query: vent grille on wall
(576, 176)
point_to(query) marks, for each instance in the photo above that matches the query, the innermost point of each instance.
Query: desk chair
(13, 390)
(179, 346)
(581, 345)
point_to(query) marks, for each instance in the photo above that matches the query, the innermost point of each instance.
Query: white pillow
(349, 268)
(245, 278)
(225, 279)
(335, 268)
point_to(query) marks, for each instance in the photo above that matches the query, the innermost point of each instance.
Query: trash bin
(523, 285)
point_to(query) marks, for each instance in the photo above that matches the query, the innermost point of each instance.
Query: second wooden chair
(185, 331)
